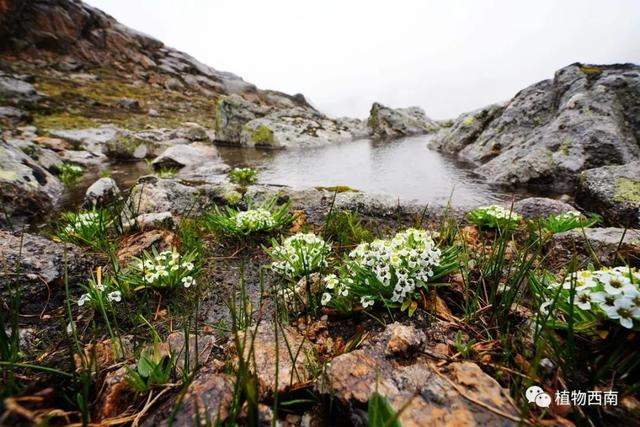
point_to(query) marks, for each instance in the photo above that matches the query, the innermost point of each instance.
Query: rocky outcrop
(585, 117)
(26, 188)
(385, 122)
(429, 395)
(249, 124)
(293, 128)
(613, 192)
(607, 246)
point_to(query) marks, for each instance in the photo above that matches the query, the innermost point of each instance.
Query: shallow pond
(405, 169)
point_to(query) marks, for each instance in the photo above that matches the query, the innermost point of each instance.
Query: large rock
(385, 122)
(606, 246)
(293, 128)
(613, 192)
(26, 188)
(540, 207)
(12, 88)
(153, 194)
(434, 393)
(586, 117)
(41, 264)
(192, 155)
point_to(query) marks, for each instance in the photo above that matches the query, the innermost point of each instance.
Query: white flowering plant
(237, 223)
(494, 216)
(300, 255)
(243, 176)
(567, 221)
(101, 291)
(163, 270)
(390, 272)
(90, 228)
(612, 294)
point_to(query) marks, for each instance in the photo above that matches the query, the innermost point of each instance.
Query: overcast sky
(444, 56)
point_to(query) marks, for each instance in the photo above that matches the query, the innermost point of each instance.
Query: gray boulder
(13, 114)
(153, 194)
(195, 162)
(101, 193)
(385, 122)
(607, 246)
(540, 207)
(585, 117)
(26, 188)
(613, 192)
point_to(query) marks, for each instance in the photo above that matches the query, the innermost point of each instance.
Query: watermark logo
(537, 395)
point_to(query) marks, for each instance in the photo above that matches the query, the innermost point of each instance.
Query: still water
(405, 169)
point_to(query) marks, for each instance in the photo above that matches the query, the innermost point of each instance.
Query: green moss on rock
(338, 189)
(627, 190)
(262, 135)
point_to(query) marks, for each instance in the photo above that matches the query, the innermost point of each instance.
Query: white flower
(115, 296)
(84, 298)
(187, 281)
(544, 307)
(326, 297)
(366, 301)
(583, 300)
(624, 311)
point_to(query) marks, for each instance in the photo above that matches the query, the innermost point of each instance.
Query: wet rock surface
(613, 192)
(438, 396)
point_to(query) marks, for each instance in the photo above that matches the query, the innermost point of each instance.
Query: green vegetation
(243, 176)
(262, 135)
(566, 221)
(69, 173)
(338, 189)
(267, 218)
(495, 217)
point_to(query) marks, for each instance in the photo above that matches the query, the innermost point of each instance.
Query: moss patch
(627, 190)
(590, 70)
(468, 121)
(262, 135)
(8, 175)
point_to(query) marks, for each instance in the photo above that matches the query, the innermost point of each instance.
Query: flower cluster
(166, 269)
(300, 255)
(243, 176)
(404, 261)
(386, 271)
(613, 292)
(81, 221)
(494, 216)
(254, 220)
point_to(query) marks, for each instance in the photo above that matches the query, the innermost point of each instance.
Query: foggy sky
(447, 57)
